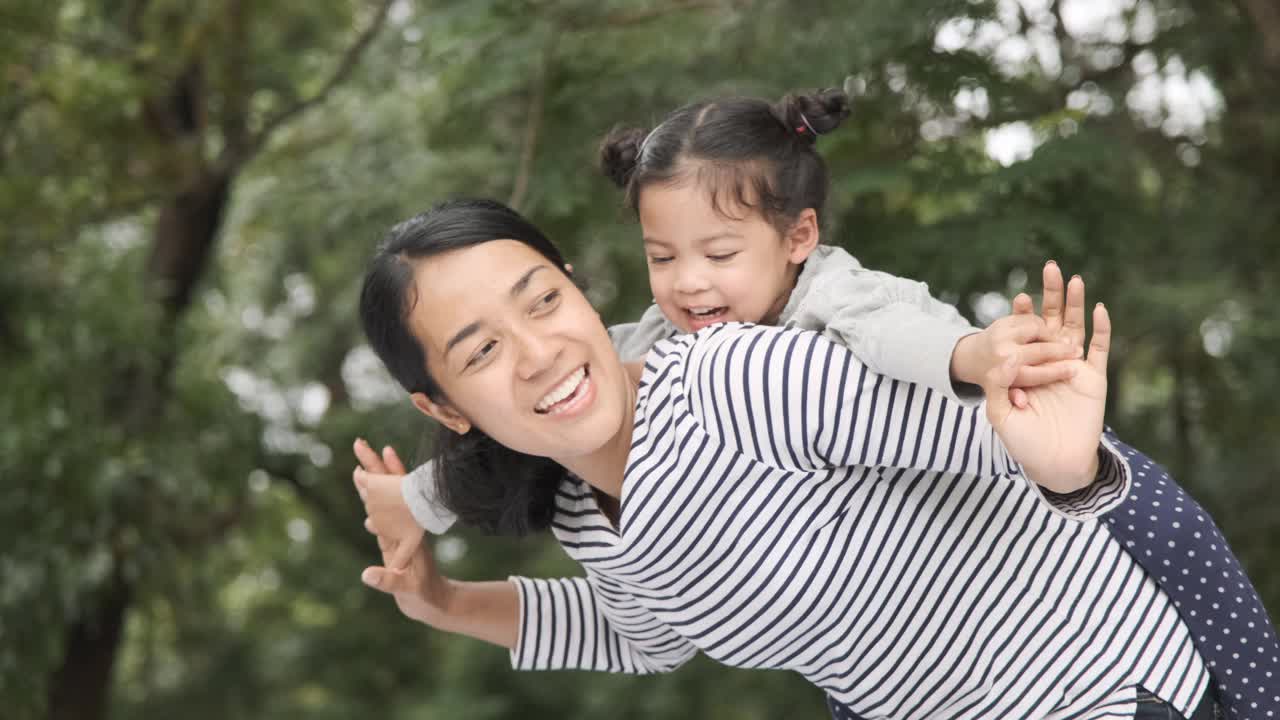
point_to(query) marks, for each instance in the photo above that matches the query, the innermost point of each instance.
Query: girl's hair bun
(813, 114)
(619, 153)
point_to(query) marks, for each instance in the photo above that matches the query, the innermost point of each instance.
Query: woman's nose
(537, 353)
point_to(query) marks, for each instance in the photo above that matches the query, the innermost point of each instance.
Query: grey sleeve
(896, 328)
(633, 340)
(419, 491)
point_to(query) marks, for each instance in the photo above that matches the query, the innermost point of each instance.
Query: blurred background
(189, 191)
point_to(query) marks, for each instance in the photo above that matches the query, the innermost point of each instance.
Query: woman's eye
(722, 258)
(656, 260)
(485, 351)
(547, 302)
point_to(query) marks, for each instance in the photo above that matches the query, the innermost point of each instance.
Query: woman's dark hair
(755, 153)
(488, 485)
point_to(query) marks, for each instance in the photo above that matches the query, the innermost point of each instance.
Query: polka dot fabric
(1179, 545)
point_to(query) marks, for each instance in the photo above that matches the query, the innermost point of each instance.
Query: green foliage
(199, 455)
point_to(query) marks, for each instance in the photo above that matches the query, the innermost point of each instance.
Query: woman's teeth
(562, 391)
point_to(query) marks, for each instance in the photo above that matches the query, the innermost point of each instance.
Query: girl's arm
(897, 328)
(795, 400)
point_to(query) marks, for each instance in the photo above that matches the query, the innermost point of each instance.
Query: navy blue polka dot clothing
(1180, 547)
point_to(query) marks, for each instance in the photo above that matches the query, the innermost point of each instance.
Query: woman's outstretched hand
(1055, 434)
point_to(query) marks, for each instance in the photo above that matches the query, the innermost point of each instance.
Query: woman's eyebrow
(472, 328)
(523, 283)
(463, 334)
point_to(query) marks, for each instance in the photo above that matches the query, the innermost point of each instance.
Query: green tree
(183, 372)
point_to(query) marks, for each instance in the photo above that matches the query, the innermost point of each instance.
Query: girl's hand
(378, 481)
(1022, 333)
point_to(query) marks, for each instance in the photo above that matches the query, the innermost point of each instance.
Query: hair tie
(645, 141)
(800, 129)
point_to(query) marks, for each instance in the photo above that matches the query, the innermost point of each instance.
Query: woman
(763, 497)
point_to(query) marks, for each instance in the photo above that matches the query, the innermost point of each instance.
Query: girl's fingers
(368, 458)
(1026, 328)
(403, 555)
(392, 461)
(1022, 304)
(999, 379)
(1046, 374)
(1019, 398)
(1038, 353)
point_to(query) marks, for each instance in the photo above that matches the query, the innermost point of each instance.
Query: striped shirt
(785, 507)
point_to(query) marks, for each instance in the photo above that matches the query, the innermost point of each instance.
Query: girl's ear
(443, 414)
(803, 236)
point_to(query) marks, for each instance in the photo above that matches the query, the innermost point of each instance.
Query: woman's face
(518, 350)
(706, 267)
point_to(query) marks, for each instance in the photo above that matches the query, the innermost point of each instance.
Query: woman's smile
(570, 397)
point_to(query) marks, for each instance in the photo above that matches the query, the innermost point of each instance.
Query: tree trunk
(184, 235)
(79, 687)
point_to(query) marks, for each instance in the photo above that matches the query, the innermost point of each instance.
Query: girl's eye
(485, 351)
(659, 260)
(722, 258)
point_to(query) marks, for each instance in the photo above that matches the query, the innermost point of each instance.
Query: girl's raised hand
(377, 480)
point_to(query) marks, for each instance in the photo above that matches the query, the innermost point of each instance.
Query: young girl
(730, 195)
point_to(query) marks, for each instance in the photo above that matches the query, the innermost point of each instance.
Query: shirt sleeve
(590, 624)
(419, 491)
(895, 327)
(1110, 487)
(794, 400)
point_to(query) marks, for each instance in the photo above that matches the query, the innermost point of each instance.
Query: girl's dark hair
(760, 154)
(488, 485)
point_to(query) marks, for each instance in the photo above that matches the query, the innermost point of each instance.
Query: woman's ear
(443, 414)
(803, 236)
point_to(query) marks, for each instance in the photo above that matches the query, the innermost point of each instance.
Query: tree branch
(232, 157)
(533, 126)
(637, 17)
(1266, 17)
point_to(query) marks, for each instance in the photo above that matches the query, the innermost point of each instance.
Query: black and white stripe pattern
(784, 507)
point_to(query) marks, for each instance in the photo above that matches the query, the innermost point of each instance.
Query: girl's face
(517, 350)
(707, 267)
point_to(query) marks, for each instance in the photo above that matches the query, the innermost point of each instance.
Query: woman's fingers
(1073, 318)
(1100, 343)
(386, 580)
(1022, 304)
(1051, 297)
(369, 459)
